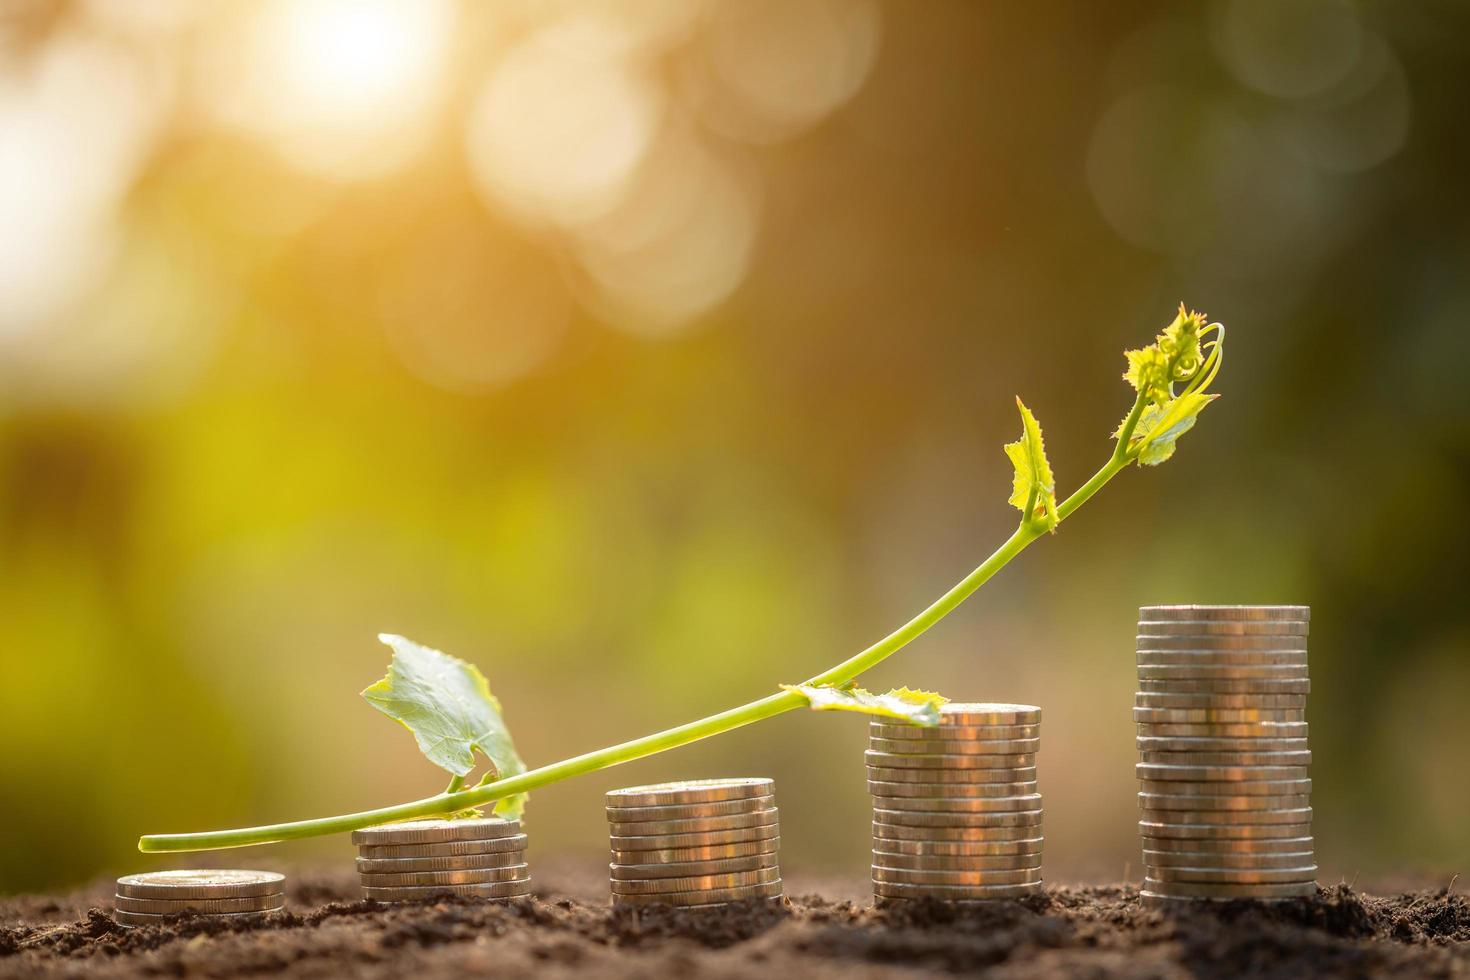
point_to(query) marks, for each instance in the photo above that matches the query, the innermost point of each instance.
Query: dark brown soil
(567, 931)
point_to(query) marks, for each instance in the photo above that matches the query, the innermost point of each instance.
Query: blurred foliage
(262, 397)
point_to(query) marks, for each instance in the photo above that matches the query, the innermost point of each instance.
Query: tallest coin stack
(1222, 748)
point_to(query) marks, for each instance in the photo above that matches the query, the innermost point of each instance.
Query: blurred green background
(649, 353)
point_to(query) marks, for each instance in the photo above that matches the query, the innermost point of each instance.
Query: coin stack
(400, 862)
(235, 896)
(956, 814)
(693, 843)
(1222, 747)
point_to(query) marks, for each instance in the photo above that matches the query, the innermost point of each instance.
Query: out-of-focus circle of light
(555, 136)
(469, 310)
(146, 19)
(677, 246)
(1359, 123)
(768, 69)
(1288, 48)
(618, 28)
(341, 88)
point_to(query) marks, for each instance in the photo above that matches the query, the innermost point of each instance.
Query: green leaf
(1160, 426)
(447, 704)
(1033, 491)
(918, 707)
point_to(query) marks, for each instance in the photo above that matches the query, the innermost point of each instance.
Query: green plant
(448, 706)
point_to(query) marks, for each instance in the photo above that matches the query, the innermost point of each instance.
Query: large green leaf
(918, 707)
(1034, 489)
(447, 704)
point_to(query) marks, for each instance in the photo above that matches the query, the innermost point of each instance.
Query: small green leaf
(447, 704)
(1033, 491)
(1160, 426)
(918, 707)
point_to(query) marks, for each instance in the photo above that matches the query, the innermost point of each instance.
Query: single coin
(1228, 847)
(956, 862)
(1211, 716)
(1224, 745)
(407, 893)
(1260, 729)
(935, 760)
(1030, 801)
(1299, 757)
(1229, 775)
(446, 849)
(1212, 859)
(1155, 830)
(462, 862)
(692, 791)
(1209, 658)
(710, 852)
(989, 713)
(688, 869)
(956, 833)
(1297, 815)
(201, 884)
(694, 825)
(1218, 627)
(1264, 787)
(209, 906)
(689, 811)
(996, 776)
(1233, 876)
(1253, 686)
(983, 847)
(470, 876)
(1263, 672)
(134, 919)
(903, 889)
(956, 746)
(909, 876)
(1201, 889)
(1226, 613)
(1237, 804)
(661, 842)
(1220, 644)
(879, 787)
(436, 831)
(974, 733)
(708, 896)
(957, 818)
(718, 882)
(1152, 699)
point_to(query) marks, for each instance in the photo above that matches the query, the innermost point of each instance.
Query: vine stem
(745, 714)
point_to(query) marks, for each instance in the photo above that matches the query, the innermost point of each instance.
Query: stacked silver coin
(236, 896)
(956, 814)
(481, 857)
(695, 842)
(1222, 747)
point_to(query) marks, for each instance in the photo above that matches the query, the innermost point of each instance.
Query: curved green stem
(745, 714)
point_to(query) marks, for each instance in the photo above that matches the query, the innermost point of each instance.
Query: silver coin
(994, 776)
(1219, 644)
(436, 831)
(1186, 672)
(689, 811)
(956, 862)
(1261, 787)
(1211, 859)
(712, 852)
(501, 890)
(461, 862)
(966, 833)
(1253, 686)
(1235, 804)
(1228, 846)
(903, 889)
(692, 791)
(1224, 745)
(882, 788)
(1218, 774)
(989, 713)
(1021, 847)
(689, 869)
(1234, 876)
(1219, 627)
(1203, 889)
(1030, 801)
(955, 746)
(1295, 815)
(716, 882)
(1301, 758)
(1210, 658)
(909, 876)
(1225, 613)
(1211, 716)
(459, 848)
(1152, 699)
(1153, 830)
(957, 818)
(1259, 729)
(663, 842)
(207, 906)
(694, 825)
(901, 760)
(201, 884)
(469, 876)
(132, 920)
(707, 896)
(974, 733)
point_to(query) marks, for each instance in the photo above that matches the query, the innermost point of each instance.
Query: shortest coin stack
(237, 896)
(695, 842)
(401, 862)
